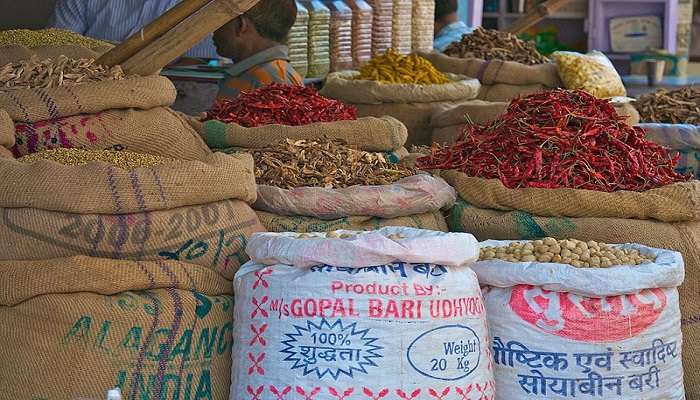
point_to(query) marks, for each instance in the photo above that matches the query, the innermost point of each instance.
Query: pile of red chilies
(280, 104)
(559, 139)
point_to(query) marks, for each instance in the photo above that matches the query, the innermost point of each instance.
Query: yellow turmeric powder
(392, 67)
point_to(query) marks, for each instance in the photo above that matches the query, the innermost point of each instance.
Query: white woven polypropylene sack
(371, 316)
(561, 332)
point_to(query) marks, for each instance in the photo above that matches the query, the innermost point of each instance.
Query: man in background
(448, 27)
(254, 42)
(116, 20)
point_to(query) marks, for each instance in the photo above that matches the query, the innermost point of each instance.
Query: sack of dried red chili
(274, 113)
(412, 104)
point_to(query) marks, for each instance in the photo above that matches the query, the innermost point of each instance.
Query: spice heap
(490, 44)
(573, 252)
(47, 37)
(50, 73)
(680, 106)
(557, 139)
(280, 104)
(120, 159)
(324, 163)
(392, 67)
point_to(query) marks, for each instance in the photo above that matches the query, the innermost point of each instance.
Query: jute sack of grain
(15, 53)
(127, 114)
(411, 104)
(192, 211)
(665, 218)
(505, 92)
(369, 133)
(79, 326)
(159, 131)
(433, 221)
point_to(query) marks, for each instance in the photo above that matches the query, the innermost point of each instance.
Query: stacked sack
(560, 331)
(320, 203)
(58, 101)
(408, 88)
(7, 135)
(115, 274)
(340, 312)
(652, 206)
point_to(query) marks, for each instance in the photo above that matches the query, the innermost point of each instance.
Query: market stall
(490, 222)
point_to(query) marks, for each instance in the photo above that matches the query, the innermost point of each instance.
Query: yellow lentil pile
(392, 67)
(574, 252)
(47, 37)
(121, 159)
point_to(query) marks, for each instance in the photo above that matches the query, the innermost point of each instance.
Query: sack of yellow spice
(408, 88)
(592, 72)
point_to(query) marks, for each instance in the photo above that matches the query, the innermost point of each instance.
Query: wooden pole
(158, 28)
(185, 35)
(536, 15)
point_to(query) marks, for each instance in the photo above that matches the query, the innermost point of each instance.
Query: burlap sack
(680, 236)
(415, 116)
(15, 53)
(278, 223)
(371, 134)
(5, 153)
(671, 203)
(413, 105)
(7, 130)
(505, 92)
(100, 188)
(73, 328)
(342, 86)
(32, 105)
(158, 131)
(212, 235)
(666, 217)
(447, 122)
(497, 71)
(416, 194)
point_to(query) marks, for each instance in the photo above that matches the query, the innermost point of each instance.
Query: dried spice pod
(50, 73)
(280, 104)
(680, 106)
(559, 139)
(323, 163)
(490, 44)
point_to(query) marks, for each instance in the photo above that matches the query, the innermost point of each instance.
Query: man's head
(445, 13)
(263, 26)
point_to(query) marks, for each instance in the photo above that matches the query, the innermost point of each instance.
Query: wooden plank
(536, 15)
(156, 29)
(171, 45)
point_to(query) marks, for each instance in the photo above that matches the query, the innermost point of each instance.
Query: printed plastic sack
(411, 195)
(562, 332)
(592, 72)
(388, 314)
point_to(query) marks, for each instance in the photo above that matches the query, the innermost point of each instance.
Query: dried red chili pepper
(280, 104)
(559, 138)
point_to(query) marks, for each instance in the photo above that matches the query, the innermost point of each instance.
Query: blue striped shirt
(116, 20)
